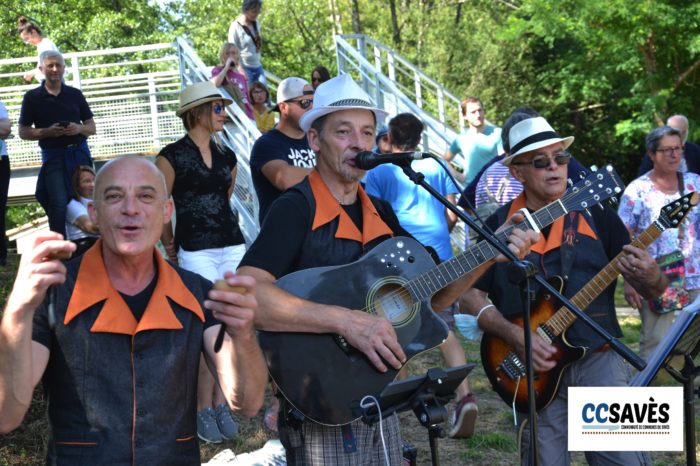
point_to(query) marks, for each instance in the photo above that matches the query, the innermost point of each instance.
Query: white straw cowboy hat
(531, 134)
(199, 93)
(339, 93)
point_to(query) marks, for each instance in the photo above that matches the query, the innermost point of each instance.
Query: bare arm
(449, 215)
(23, 361)
(493, 322)
(282, 175)
(219, 79)
(167, 237)
(239, 365)
(87, 129)
(282, 311)
(34, 134)
(5, 127)
(83, 222)
(448, 156)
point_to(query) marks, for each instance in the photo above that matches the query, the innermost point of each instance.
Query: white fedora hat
(339, 93)
(531, 134)
(199, 93)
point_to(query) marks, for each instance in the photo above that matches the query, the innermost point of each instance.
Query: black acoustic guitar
(321, 374)
(505, 369)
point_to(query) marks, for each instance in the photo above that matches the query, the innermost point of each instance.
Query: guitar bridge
(513, 366)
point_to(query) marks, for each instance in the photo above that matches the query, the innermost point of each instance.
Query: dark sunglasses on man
(303, 103)
(542, 161)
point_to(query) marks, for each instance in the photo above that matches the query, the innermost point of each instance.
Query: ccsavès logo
(625, 418)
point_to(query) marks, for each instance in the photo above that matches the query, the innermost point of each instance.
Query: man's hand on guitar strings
(542, 352)
(376, 338)
(519, 241)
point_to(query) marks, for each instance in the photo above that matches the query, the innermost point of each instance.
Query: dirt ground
(493, 443)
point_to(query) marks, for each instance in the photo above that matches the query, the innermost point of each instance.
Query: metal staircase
(399, 86)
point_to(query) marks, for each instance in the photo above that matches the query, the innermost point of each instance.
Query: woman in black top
(200, 174)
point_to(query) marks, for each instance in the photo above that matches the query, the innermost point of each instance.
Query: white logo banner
(625, 418)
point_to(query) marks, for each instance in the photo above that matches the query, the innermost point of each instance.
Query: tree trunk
(356, 18)
(395, 25)
(335, 17)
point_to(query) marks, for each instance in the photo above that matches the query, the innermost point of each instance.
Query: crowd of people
(109, 328)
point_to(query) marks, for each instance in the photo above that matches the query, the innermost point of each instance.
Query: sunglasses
(218, 108)
(303, 103)
(542, 161)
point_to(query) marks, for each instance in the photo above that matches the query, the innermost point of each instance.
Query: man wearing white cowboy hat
(576, 247)
(328, 219)
(282, 157)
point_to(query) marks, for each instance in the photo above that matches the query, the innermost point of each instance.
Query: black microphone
(367, 160)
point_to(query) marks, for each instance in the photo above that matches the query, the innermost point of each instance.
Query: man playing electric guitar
(576, 248)
(328, 220)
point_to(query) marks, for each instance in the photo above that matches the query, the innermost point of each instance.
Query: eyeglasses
(671, 150)
(258, 91)
(218, 108)
(303, 103)
(542, 161)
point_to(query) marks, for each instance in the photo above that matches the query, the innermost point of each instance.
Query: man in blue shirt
(424, 217)
(478, 143)
(58, 116)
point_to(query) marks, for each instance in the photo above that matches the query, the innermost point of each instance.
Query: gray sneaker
(207, 428)
(227, 425)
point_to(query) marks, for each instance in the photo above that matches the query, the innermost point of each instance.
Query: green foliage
(20, 214)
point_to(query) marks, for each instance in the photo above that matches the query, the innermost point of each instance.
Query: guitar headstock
(673, 213)
(595, 188)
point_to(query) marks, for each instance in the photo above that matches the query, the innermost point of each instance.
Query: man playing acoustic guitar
(328, 220)
(576, 247)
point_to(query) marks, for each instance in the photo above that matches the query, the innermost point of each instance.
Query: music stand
(681, 340)
(426, 395)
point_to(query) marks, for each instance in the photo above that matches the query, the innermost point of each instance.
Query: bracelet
(481, 311)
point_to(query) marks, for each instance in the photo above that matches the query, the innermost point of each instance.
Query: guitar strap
(567, 252)
(255, 37)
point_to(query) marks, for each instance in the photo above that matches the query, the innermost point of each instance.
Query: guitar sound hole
(393, 302)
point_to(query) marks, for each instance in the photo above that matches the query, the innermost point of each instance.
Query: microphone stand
(521, 271)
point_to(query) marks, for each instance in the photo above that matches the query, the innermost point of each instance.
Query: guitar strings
(404, 294)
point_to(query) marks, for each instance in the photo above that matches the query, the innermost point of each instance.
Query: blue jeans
(54, 185)
(255, 74)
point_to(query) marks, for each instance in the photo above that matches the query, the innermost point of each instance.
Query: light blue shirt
(477, 149)
(418, 212)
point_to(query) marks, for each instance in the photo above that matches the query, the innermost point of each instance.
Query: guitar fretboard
(564, 318)
(428, 283)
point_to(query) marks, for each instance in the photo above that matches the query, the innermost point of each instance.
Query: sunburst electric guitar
(506, 370)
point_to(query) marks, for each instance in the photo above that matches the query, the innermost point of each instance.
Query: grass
(493, 444)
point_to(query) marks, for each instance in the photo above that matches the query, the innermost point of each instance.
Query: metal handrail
(428, 94)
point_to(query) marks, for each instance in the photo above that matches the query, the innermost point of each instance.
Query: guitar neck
(432, 281)
(564, 318)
